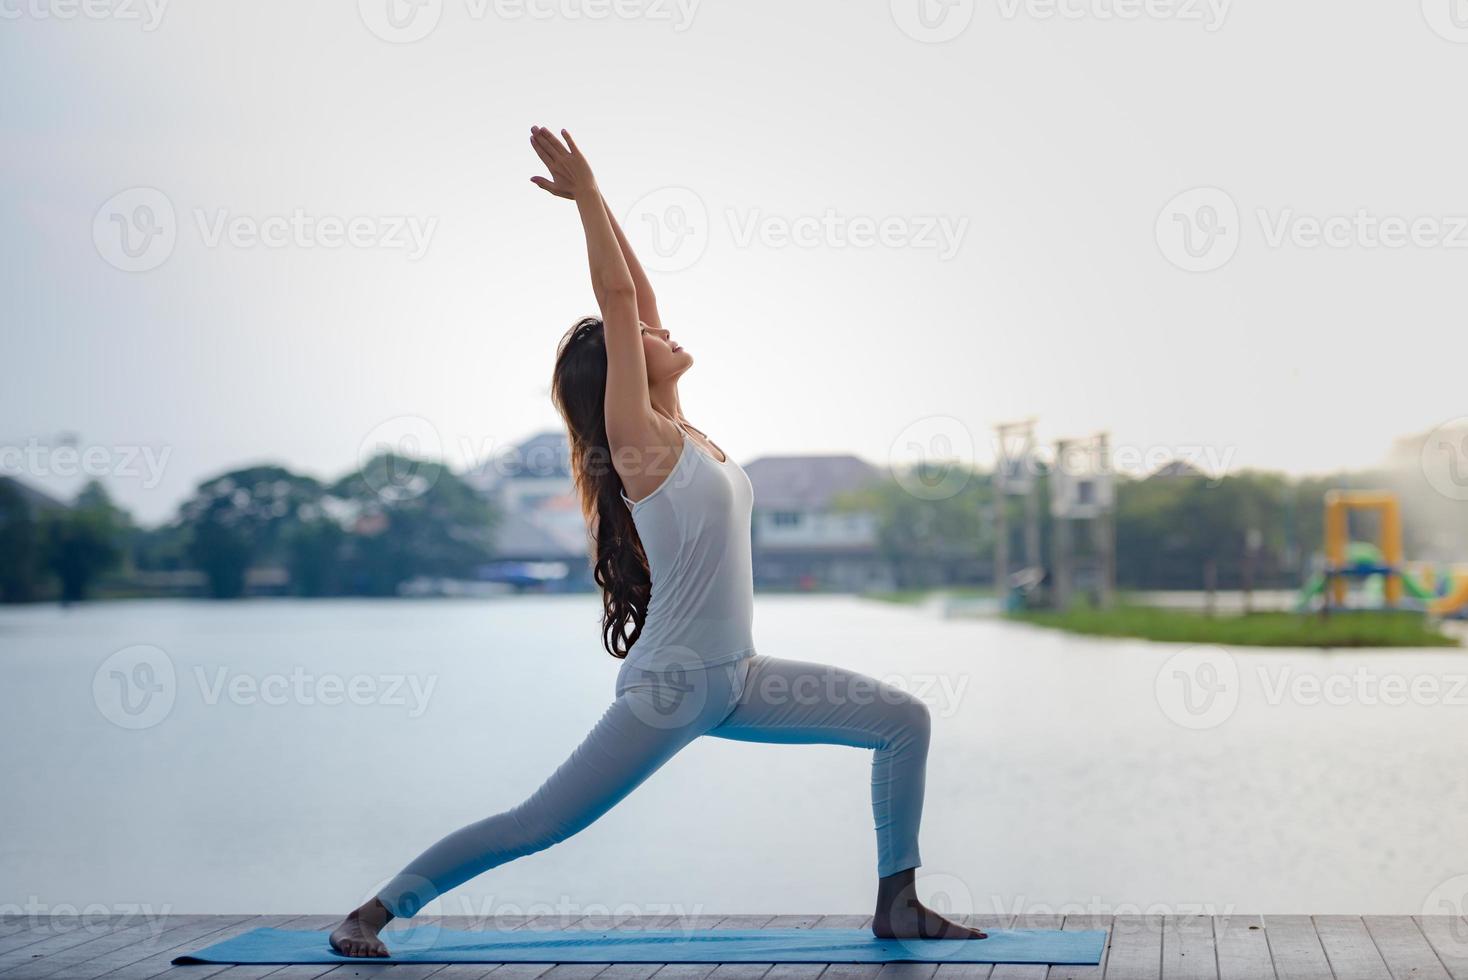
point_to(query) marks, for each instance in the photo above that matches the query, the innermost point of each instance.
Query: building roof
(1176, 468)
(36, 500)
(515, 536)
(546, 455)
(806, 482)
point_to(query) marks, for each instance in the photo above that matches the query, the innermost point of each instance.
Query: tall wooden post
(1104, 530)
(1001, 535)
(1032, 524)
(1060, 578)
(1025, 432)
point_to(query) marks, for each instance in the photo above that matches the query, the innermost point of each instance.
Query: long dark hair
(579, 388)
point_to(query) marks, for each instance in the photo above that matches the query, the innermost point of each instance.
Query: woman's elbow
(616, 295)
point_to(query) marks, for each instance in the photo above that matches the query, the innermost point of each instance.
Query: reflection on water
(287, 756)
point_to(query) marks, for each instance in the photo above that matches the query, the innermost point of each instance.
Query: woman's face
(665, 359)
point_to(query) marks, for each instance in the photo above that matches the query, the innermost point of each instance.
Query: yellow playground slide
(1454, 601)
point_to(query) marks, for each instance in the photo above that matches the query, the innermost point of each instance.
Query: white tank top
(695, 529)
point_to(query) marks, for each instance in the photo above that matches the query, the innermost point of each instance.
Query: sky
(287, 232)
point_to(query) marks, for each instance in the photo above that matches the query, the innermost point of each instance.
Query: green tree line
(364, 534)
(1173, 531)
(396, 519)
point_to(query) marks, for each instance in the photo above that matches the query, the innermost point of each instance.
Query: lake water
(282, 756)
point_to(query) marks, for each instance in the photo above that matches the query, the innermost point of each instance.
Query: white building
(800, 539)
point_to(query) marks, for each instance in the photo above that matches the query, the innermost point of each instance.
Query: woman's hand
(570, 174)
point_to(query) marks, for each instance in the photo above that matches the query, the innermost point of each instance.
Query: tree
(930, 542)
(81, 543)
(1170, 527)
(315, 550)
(20, 562)
(413, 518)
(242, 517)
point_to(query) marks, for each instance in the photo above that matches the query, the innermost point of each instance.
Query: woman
(670, 515)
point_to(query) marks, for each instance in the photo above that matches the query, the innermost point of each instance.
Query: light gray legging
(755, 699)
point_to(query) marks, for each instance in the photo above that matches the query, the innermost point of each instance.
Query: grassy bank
(1263, 629)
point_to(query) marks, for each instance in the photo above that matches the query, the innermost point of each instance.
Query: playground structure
(1386, 579)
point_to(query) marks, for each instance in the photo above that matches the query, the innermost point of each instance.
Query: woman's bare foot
(900, 915)
(357, 935)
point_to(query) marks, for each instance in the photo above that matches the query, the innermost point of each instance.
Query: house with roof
(801, 540)
(540, 536)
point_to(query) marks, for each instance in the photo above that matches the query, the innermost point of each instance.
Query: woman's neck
(664, 398)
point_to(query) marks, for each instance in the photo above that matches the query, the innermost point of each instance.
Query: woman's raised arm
(629, 414)
(647, 302)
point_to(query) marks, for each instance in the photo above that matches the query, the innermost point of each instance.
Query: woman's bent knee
(913, 720)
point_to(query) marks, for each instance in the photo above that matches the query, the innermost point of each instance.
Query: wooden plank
(574, 971)
(784, 921)
(49, 934)
(623, 921)
(1139, 948)
(1243, 949)
(201, 971)
(1295, 948)
(39, 928)
(1188, 950)
(1448, 935)
(67, 937)
(1135, 950)
(907, 971)
(686, 923)
(95, 957)
(1404, 948)
(1348, 947)
(761, 922)
(1083, 923)
(684, 971)
(154, 955)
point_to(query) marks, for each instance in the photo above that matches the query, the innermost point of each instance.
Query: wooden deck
(1287, 947)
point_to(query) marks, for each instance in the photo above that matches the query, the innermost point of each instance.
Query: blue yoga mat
(432, 944)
